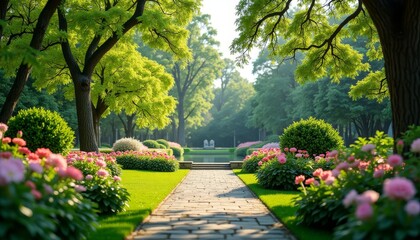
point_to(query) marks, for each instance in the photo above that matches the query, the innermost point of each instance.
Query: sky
(223, 18)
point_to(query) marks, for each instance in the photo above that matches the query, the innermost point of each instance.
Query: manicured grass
(281, 205)
(147, 190)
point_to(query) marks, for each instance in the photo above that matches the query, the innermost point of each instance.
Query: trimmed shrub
(187, 150)
(163, 142)
(42, 129)
(271, 145)
(161, 146)
(128, 144)
(151, 161)
(313, 135)
(178, 152)
(151, 144)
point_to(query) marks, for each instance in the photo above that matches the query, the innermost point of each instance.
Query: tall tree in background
(89, 30)
(392, 23)
(193, 82)
(229, 73)
(23, 25)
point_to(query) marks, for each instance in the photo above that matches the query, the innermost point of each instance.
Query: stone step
(210, 166)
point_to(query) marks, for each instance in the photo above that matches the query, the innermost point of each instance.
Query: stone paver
(211, 204)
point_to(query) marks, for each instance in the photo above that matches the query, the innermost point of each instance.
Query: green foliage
(241, 152)
(163, 142)
(187, 150)
(151, 144)
(383, 143)
(253, 161)
(315, 136)
(251, 165)
(127, 144)
(177, 151)
(275, 175)
(42, 129)
(144, 162)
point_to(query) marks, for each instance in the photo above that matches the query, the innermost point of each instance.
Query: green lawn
(147, 190)
(280, 204)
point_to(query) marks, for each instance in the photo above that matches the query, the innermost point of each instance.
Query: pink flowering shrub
(320, 203)
(241, 149)
(279, 171)
(148, 160)
(271, 145)
(101, 182)
(253, 161)
(40, 196)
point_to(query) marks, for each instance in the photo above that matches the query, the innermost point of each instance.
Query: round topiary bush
(163, 142)
(151, 144)
(42, 129)
(313, 135)
(127, 144)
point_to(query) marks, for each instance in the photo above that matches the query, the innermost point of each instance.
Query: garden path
(211, 204)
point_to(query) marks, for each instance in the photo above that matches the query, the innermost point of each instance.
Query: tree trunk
(130, 126)
(181, 124)
(25, 69)
(84, 114)
(398, 27)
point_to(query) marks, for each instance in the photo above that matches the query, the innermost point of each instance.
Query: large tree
(319, 28)
(90, 29)
(194, 79)
(23, 26)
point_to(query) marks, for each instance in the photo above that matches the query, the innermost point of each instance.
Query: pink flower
(19, 134)
(43, 152)
(260, 163)
(37, 195)
(363, 165)
(378, 173)
(100, 163)
(3, 127)
(309, 181)
(286, 149)
(333, 153)
(58, 161)
(79, 188)
(368, 196)
(399, 188)
(299, 179)
(350, 198)
(48, 189)
(11, 170)
(350, 159)
(24, 150)
(89, 177)
(74, 173)
(30, 184)
(317, 172)
(326, 174)
(299, 155)
(330, 180)
(395, 160)
(335, 172)
(281, 158)
(343, 166)
(117, 178)
(19, 141)
(6, 140)
(368, 147)
(89, 159)
(364, 211)
(415, 146)
(35, 167)
(102, 173)
(412, 208)
(292, 150)
(5, 155)
(33, 157)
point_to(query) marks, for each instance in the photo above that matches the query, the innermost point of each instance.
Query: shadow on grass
(116, 227)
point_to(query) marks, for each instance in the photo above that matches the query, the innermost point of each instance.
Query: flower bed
(148, 160)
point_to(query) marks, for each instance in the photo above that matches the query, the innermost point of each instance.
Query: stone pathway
(211, 204)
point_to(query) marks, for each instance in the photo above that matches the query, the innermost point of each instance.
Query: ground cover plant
(281, 205)
(39, 194)
(147, 189)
